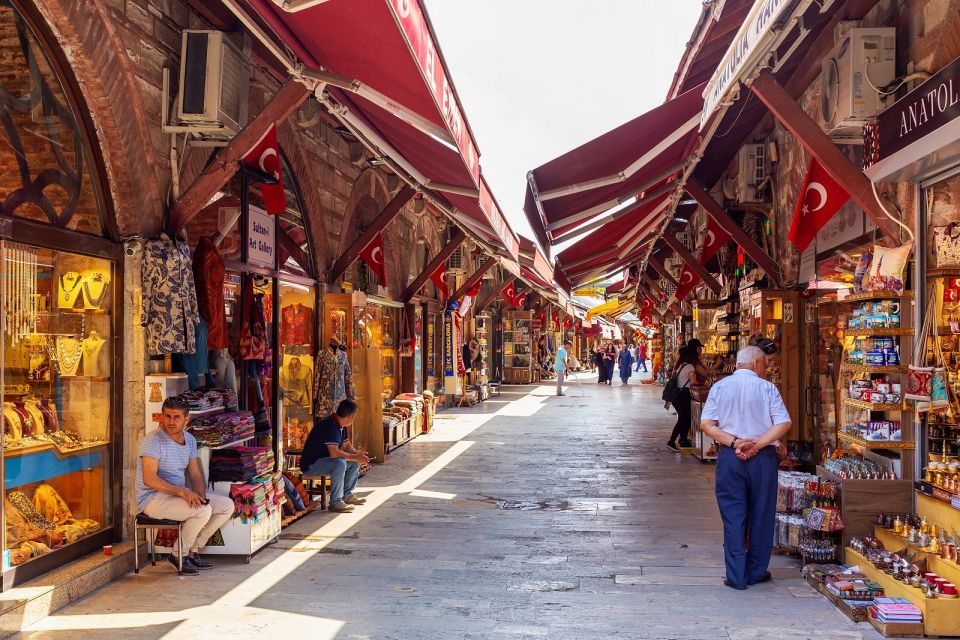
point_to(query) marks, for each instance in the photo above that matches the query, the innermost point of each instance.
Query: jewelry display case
(344, 318)
(57, 399)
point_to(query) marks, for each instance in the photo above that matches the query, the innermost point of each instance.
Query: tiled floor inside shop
(529, 516)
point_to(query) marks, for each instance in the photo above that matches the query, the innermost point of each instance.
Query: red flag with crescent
(820, 199)
(439, 278)
(520, 300)
(510, 294)
(265, 158)
(688, 280)
(715, 237)
(372, 255)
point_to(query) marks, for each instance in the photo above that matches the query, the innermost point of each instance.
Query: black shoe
(727, 583)
(200, 563)
(673, 447)
(685, 444)
(188, 569)
(764, 578)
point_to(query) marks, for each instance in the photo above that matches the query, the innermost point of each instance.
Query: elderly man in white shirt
(746, 416)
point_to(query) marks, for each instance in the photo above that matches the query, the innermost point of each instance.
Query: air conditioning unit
(752, 163)
(684, 238)
(456, 263)
(214, 80)
(863, 61)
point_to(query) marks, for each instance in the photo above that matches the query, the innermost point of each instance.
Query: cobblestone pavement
(529, 516)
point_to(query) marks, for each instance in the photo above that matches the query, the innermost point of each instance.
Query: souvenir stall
(719, 343)
(927, 156)
(482, 366)
(518, 347)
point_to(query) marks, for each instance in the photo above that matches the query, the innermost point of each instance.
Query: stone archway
(98, 62)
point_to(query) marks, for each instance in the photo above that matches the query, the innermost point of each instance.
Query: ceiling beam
(384, 218)
(818, 144)
(221, 169)
(691, 260)
(452, 245)
(751, 248)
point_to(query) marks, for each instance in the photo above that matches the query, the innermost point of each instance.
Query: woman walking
(685, 372)
(625, 362)
(609, 358)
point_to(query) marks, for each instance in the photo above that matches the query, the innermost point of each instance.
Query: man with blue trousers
(746, 416)
(328, 451)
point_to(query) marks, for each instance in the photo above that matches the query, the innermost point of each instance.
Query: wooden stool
(316, 485)
(150, 525)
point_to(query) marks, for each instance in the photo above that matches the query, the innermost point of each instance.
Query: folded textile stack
(205, 399)
(240, 464)
(222, 428)
(249, 501)
(895, 610)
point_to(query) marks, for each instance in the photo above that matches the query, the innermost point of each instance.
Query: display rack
(517, 347)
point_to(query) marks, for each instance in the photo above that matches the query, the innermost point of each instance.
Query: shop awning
(642, 156)
(394, 86)
(615, 245)
(532, 257)
(542, 286)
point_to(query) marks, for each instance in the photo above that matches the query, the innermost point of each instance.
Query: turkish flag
(520, 300)
(566, 323)
(688, 280)
(373, 256)
(713, 240)
(820, 199)
(439, 278)
(510, 294)
(265, 157)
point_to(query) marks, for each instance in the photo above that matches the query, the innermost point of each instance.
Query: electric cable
(873, 185)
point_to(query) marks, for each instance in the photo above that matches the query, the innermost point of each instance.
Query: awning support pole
(452, 245)
(290, 96)
(821, 147)
(715, 211)
(474, 278)
(391, 211)
(691, 260)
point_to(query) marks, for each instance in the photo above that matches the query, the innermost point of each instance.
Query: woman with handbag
(686, 374)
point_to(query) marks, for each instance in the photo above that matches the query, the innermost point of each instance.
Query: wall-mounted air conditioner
(456, 263)
(214, 81)
(752, 164)
(862, 63)
(673, 266)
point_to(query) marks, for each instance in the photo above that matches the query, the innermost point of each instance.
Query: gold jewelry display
(14, 421)
(69, 351)
(91, 353)
(94, 289)
(69, 289)
(20, 299)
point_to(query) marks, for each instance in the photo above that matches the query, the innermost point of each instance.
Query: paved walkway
(529, 516)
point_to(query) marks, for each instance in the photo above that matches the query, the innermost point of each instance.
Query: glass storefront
(57, 399)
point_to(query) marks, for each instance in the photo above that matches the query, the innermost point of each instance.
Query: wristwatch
(733, 443)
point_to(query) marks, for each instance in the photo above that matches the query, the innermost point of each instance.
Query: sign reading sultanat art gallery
(920, 133)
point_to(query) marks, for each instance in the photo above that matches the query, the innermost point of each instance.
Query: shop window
(297, 346)
(45, 173)
(57, 367)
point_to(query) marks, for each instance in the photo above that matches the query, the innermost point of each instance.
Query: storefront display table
(704, 447)
(941, 616)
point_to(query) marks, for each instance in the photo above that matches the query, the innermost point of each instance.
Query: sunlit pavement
(530, 515)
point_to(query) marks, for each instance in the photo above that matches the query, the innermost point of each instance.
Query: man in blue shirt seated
(329, 452)
(167, 456)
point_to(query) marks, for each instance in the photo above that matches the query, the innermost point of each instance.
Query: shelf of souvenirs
(852, 438)
(879, 295)
(878, 332)
(873, 406)
(63, 443)
(846, 367)
(945, 272)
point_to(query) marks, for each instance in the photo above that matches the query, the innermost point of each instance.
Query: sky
(537, 78)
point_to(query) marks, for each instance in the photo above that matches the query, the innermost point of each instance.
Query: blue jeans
(343, 476)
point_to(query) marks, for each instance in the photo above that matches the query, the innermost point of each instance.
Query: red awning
(388, 47)
(543, 286)
(640, 156)
(533, 259)
(615, 245)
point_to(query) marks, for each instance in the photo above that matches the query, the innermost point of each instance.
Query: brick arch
(311, 197)
(108, 88)
(370, 184)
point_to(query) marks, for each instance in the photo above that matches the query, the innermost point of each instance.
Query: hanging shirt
(209, 273)
(296, 386)
(296, 325)
(170, 311)
(333, 382)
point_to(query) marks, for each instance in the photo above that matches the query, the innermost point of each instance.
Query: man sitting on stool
(166, 455)
(329, 452)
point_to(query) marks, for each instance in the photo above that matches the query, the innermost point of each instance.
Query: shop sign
(590, 292)
(261, 238)
(743, 51)
(449, 345)
(916, 128)
(431, 372)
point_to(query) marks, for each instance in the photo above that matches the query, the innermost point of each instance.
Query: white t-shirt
(685, 377)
